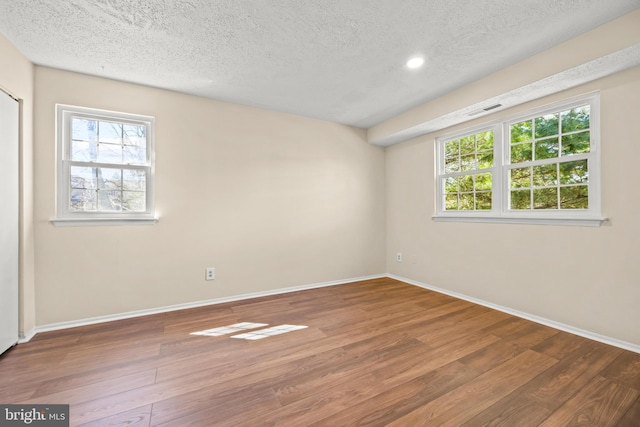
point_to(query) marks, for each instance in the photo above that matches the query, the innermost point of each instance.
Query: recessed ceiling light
(415, 62)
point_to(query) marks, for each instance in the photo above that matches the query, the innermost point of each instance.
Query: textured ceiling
(338, 60)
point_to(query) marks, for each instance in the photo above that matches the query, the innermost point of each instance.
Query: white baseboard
(138, 313)
(543, 321)
(26, 336)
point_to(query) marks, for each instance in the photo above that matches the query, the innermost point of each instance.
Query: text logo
(34, 415)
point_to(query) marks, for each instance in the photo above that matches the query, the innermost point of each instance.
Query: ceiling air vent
(485, 109)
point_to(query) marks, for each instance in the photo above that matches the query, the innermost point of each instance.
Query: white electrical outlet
(210, 273)
(399, 256)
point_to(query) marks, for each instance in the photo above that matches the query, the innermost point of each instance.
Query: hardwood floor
(378, 352)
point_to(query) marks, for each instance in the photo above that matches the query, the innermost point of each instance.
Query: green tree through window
(539, 165)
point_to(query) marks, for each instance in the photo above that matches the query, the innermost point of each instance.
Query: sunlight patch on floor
(264, 333)
(247, 332)
(231, 329)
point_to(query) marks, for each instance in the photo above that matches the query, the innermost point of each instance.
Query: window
(541, 167)
(105, 166)
(467, 165)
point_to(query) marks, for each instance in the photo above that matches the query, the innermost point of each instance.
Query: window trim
(66, 217)
(500, 212)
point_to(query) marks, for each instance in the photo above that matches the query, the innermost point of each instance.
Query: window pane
(546, 125)
(133, 179)
(135, 135)
(520, 199)
(574, 172)
(84, 130)
(576, 119)
(110, 179)
(110, 153)
(451, 185)
(451, 202)
(521, 132)
(466, 202)
(133, 201)
(485, 159)
(545, 198)
(469, 153)
(109, 200)
(483, 200)
(83, 177)
(468, 144)
(483, 182)
(451, 165)
(468, 162)
(134, 155)
(452, 148)
(520, 177)
(110, 132)
(547, 148)
(466, 183)
(576, 143)
(83, 151)
(545, 175)
(82, 200)
(484, 141)
(521, 153)
(574, 197)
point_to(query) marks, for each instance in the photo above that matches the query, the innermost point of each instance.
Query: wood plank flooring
(377, 352)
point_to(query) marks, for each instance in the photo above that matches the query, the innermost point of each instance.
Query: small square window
(105, 165)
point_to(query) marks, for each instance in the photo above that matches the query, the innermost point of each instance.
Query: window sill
(569, 221)
(75, 222)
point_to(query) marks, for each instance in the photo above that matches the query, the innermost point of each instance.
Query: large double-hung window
(105, 166)
(540, 167)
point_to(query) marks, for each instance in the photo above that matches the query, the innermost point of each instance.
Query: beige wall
(270, 200)
(16, 77)
(584, 277)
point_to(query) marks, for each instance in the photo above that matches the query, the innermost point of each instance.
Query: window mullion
(498, 178)
(107, 165)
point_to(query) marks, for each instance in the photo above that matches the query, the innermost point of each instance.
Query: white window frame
(501, 212)
(66, 217)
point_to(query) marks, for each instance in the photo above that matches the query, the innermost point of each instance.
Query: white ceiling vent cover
(484, 110)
